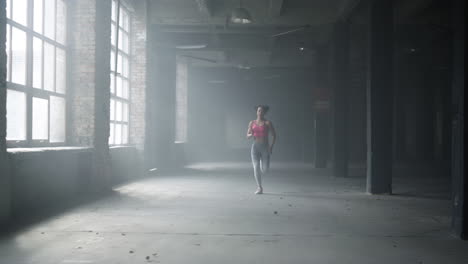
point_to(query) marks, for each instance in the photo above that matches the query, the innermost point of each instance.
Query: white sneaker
(259, 190)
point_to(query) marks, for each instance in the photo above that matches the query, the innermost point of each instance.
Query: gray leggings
(261, 160)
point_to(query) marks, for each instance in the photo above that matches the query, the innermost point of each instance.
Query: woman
(261, 149)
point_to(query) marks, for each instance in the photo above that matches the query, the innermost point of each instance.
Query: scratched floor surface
(209, 214)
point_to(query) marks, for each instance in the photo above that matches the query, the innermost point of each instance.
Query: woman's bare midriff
(261, 140)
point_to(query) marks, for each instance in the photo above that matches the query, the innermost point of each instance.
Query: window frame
(28, 89)
(117, 50)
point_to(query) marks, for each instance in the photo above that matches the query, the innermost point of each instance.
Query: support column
(340, 56)
(321, 138)
(162, 101)
(90, 81)
(102, 166)
(5, 183)
(321, 109)
(138, 80)
(459, 177)
(379, 98)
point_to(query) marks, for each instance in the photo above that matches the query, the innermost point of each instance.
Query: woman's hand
(249, 130)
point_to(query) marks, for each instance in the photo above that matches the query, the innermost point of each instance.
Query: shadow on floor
(25, 217)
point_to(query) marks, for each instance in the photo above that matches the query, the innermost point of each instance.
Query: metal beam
(205, 7)
(404, 10)
(347, 9)
(275, 8)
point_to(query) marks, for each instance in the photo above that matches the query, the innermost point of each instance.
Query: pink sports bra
(259, 131)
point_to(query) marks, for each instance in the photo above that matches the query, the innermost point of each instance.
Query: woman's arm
(273, 135)
(249, 130)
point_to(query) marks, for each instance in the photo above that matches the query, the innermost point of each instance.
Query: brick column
(90, 80)
(138, 76)
(5, 184)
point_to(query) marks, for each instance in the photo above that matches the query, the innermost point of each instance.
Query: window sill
(121, 147)
(44, 149)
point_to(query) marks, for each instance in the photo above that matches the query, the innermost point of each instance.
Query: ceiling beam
(205, 7)
(347, 9)
(275, 8)
(406, 9)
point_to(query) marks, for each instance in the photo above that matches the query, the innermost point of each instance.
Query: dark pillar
(101, 156)
(162, 101)
(321, 138)
(321, 109)
(379, 98)
(5, 186)
(459, 178)
(340, 56)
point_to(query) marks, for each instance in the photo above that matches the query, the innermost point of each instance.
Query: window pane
(57, 119)
(119, 63)
(112, 83)
(61, 72)
(61, 21)
(111, 134)
(8, 50)
(18, 66)
(125, 67)
(38, 16)
(118, 134)
(125, 89)
(114, 15)
(20, 11)
(37, 63)
(112, 110)
(125, 112)
(113, 36)
(124, 134)
(49, 19)
(49, 66)
(124, 20)
(112, 61)
(123, 45)
(16, 115)
(120, 39)
(118, 111)
(118, 87)
(40, 112)
(8, 6)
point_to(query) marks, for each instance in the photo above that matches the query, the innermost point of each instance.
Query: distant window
(36, 72)
(120, 71)
(181, 100)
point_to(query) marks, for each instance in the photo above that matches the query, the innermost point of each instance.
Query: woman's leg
(256, 157)
(265, 161)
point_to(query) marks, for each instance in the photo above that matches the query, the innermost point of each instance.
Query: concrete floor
(209, 214)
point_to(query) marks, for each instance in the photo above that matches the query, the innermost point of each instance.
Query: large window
(181, 100)
(36, 72)
(120, 71)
